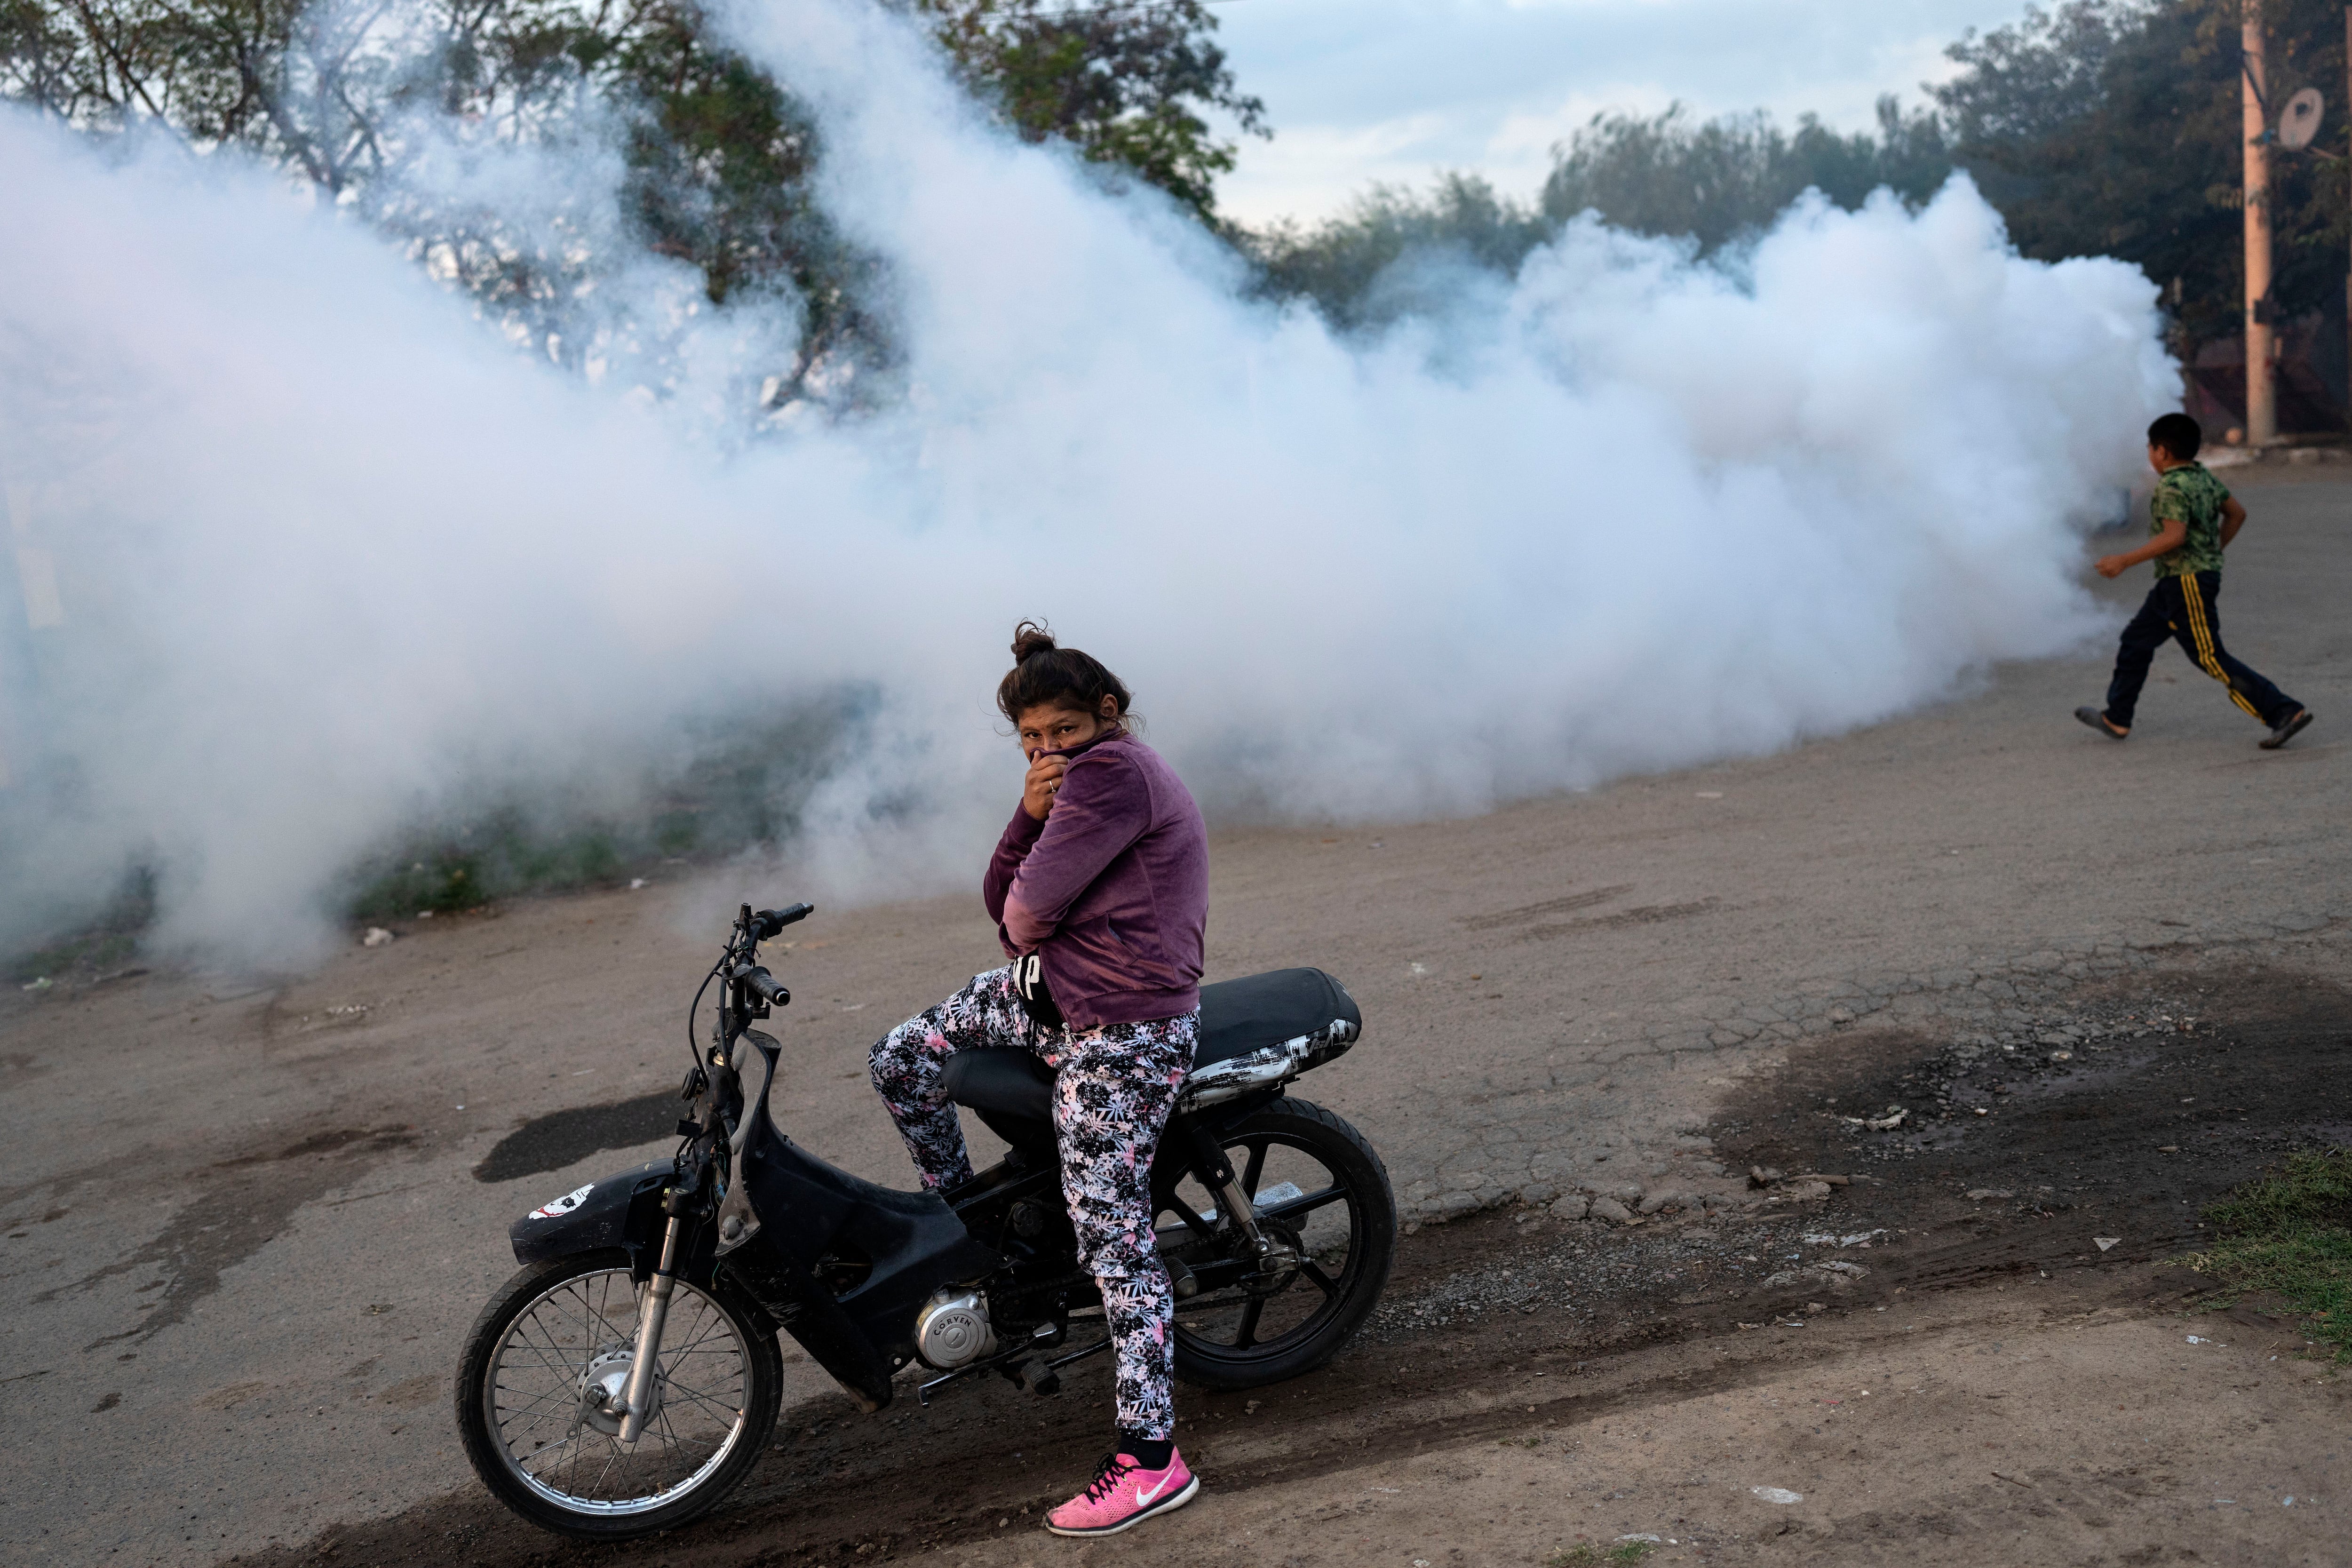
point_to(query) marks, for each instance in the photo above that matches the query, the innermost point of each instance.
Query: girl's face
(1046, 729)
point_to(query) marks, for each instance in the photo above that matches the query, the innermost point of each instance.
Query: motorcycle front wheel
(540, 1369)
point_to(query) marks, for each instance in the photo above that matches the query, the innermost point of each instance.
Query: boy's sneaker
(2287, 730)
(1124, 1493)
(2096, 718)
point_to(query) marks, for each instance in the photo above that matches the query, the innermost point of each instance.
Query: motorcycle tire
(496, 1346)
(1355, 1167)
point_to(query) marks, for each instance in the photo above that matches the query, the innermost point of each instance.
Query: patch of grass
(717, 787)
(449, 880)
(99, 949)
(733, 786)
(90, 953)
(1591, 1556)
(496, 857)
(2290, 1234)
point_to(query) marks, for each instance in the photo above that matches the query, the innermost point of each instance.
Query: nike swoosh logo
(1142, 1496)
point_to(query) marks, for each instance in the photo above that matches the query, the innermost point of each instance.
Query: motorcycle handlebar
(766, 924)
(763, 984)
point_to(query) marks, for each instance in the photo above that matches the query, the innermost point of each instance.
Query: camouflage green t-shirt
(2188, 494)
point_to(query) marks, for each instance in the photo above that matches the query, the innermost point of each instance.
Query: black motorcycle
(627, 1378)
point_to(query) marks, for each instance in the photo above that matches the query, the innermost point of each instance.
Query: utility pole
(2262, 404)
(2347, 163)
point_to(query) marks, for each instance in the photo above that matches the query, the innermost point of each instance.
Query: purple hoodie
(1111, 890)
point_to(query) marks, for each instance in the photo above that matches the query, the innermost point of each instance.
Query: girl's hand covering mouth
(1045, 781)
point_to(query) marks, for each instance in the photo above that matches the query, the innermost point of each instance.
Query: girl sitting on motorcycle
(1100, 888)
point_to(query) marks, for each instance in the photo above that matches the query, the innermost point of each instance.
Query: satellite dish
(2299, 121)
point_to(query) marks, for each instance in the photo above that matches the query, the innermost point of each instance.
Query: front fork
(1268, 1255)
(637, 1395)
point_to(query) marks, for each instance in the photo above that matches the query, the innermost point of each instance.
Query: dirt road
(1939, 1359)
(249, 1219)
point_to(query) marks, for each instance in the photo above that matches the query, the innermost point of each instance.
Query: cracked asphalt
(243, 1233)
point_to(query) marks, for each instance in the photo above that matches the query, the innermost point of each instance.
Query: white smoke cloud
(332, 554)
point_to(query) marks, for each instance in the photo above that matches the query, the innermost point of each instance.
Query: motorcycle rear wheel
(1222, 1339)
(559, 1326)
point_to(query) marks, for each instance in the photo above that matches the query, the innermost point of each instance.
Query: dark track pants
(2183, 607)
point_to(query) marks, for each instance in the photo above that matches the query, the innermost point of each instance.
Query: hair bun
(1030, 638)
(1044, 674)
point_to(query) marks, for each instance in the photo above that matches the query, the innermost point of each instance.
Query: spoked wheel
(545, 1364)
(1321, 1190)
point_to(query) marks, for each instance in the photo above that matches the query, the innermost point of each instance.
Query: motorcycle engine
(951, 1330)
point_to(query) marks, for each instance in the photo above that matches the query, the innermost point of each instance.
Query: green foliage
(1716, 182)
(2030, 81)
(1349, 265)
(450, 881)
(1587, 1555)
(316, 87)
(740, 783)
(721, 160)
(731, 786)
(1128, 86)
(2113, 128)
(1720, 180)
(2291, 1235)
(500, 858)
(104, 945)
(2100, 127)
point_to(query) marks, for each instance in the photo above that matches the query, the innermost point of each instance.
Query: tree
(1127, 84)
(268, 75)
(721, 161)
(1714, 181)
(2113, 128)
(1349, 265)
(349, 95)
(1720, 180)
(355, 95)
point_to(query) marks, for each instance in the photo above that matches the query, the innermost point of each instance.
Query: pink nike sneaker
(1124, 1493)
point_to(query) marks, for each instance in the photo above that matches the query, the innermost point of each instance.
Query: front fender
(623, 1210)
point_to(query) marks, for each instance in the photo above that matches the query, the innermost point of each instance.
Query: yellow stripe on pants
(2198, 629)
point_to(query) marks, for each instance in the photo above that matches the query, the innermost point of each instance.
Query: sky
(1359, 91)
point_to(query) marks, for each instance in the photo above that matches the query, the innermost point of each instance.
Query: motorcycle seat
(1237, 1017)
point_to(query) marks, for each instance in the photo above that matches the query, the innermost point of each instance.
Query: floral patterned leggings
(1113, 1089)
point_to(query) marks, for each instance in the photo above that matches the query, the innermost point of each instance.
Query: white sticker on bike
(564, 1205)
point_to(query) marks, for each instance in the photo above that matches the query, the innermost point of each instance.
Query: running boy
(2191, 520)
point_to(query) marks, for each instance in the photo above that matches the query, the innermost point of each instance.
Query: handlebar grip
(763, 984)
(768, 923)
